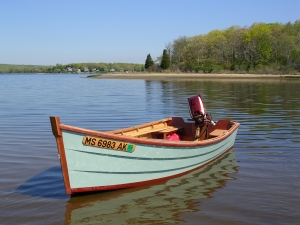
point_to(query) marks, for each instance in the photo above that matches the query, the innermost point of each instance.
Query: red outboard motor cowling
(197, 109)
(201, 118)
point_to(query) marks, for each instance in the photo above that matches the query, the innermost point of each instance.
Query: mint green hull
(90, 167)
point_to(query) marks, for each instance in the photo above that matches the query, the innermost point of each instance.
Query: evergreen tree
(165, 61)
(149, 62)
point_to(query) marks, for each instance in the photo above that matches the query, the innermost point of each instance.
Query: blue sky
(46, 32)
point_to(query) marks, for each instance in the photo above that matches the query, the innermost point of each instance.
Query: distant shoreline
(168, 76)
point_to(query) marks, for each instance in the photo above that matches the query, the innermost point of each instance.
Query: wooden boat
(94, 160)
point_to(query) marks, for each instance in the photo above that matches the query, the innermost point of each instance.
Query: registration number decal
(108, 144)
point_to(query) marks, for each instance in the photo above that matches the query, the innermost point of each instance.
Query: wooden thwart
(162, 130)
(168, 130)
(217, 132)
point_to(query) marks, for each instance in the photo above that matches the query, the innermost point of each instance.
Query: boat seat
(217, 133)
(168, 130)
(164, 130)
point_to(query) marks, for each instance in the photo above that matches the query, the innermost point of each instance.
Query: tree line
(260, 48)
(72, 68)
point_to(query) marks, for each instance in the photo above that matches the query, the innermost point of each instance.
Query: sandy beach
(185, 76)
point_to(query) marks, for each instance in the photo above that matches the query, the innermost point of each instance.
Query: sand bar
(193, 76)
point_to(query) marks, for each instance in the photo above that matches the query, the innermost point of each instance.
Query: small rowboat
(94, 160)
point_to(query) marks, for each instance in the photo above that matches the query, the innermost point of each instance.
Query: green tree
(149, 62)
(258, 44)
(165, 61)
(178, 50)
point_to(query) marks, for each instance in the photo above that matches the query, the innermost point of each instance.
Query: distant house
(76, 71)
(69, 69)
(86, 70)
(112, 70)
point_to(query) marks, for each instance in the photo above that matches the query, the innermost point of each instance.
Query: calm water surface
(258, 182)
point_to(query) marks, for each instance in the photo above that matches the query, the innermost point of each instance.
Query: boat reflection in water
(156, 204)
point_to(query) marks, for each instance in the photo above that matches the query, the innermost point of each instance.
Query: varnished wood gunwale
(148, 141)
(55, 123)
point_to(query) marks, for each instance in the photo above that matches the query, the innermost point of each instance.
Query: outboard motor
(197, 109)
(199, 115)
